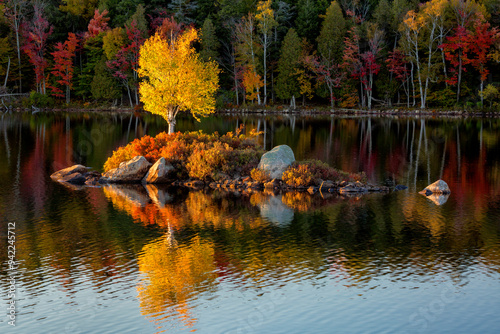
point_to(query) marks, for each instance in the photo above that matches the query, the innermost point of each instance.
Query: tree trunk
(19, 61)
(265, 69)
(171, 121)
(459, 76)
(7, 74)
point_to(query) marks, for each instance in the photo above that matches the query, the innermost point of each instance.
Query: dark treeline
(346, 53)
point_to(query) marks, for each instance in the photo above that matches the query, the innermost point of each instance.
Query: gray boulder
(59, 175)
(130, 171)
(276, 161)
(160, 172)
(438, 187)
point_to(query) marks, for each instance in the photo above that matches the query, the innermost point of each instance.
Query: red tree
(126, 62)
(63, 65)
(37, 33)
(326, 72)
(97, 24)
(480, 42)
(362, 66)
(398, 65)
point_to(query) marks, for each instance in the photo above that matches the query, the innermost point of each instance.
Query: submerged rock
(400, 187)
(438, 187)
(160, 172)
(276, 161)
(130, 171)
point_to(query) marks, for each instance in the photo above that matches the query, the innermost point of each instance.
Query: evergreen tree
(287, 86)
(209, 41)
(104, 86)
(331, 37)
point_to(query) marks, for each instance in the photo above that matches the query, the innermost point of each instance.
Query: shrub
(196, 154)
(313, 172)
(259, 175)
(206, 162)
(38, 100)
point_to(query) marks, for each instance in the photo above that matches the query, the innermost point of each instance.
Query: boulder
(160, 172)
(276, 161)
(73, 178)
(438, 187)
(79, 169)
(130, 171)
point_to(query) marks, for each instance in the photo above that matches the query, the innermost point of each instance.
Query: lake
(134, 259)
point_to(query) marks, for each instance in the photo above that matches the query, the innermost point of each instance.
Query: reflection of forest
(213, 236)
(255, 239)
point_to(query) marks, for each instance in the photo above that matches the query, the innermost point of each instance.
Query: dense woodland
(346, 53)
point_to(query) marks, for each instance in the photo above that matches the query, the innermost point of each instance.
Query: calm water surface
(132, 259)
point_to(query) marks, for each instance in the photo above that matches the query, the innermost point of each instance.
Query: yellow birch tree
(174, 78)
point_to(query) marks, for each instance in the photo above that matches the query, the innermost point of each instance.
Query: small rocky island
(228, 162)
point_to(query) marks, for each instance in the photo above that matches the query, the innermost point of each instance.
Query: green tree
(287, 86)
(308, 21)
(104, 86)
(332, 34)
(140, 20)
(209, 41)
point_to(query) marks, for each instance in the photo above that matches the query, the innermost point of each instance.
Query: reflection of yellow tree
(173, 276)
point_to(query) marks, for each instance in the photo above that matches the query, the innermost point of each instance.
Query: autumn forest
(342, 54)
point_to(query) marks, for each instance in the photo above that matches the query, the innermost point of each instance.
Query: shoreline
(279, 111)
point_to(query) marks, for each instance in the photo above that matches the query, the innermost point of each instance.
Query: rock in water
(73, 178)
(129, 171)
(160, 172)
(59, 175)
(276, 161)
(438, 187)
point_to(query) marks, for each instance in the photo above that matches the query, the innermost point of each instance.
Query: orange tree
(174, 78)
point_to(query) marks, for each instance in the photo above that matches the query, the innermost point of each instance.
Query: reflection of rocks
(274, 210)
(438, 199)
(160, 172)
(128, 171)
(277, 160)
(134, 194)
(159, 196)
(438, 187)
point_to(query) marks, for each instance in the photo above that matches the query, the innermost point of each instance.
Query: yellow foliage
(174, 78)
(112, 42)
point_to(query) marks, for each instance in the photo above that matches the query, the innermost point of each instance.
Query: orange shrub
(313, 172)
(259, 175)
(182, 149)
